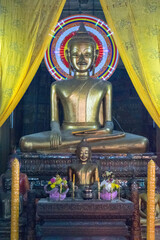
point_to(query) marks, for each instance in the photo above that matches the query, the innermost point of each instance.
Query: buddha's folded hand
(109, 126)
(55, 135)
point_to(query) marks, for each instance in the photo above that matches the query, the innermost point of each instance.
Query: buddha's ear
(96, 55)
(67, 54)
(95, 58)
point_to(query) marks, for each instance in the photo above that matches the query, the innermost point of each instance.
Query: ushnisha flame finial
(82, 35)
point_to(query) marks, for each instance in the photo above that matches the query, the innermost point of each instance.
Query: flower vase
(55, 195)
(107, 195)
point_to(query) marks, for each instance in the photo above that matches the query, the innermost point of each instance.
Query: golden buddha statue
(85, 101)
(143, 209)
(85, 173)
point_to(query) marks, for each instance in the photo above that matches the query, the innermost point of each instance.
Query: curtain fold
(136, 28)
(26, 28)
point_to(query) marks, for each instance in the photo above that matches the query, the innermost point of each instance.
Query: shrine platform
(106, 217)
(85, 219)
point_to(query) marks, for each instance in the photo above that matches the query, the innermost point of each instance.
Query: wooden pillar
(31, 215)
(136, 228)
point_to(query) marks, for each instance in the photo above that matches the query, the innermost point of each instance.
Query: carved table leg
(31, 216)
(136, 228)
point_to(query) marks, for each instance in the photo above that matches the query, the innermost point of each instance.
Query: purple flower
(53, 180)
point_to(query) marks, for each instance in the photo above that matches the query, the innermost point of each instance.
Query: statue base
(41, 167)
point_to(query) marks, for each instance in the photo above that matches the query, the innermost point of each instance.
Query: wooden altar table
(85, 219)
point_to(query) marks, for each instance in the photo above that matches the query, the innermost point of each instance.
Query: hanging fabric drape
(26, 28)
(136, 28)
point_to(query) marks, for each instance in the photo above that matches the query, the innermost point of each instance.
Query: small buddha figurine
(5, 196)
(143, 208)
(85, 100)
(5, 193)
(86, 174)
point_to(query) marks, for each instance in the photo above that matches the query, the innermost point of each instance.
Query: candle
(119, 195)
(73, 178)
(61, 188)
(15, 201)
(151, 201)
(73, 186)
(98, 189)
(73, 189)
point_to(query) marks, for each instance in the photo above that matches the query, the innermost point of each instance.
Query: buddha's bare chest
(82, 95)
(84, 174)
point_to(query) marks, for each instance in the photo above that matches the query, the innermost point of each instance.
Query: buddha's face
(84, 154)
(81, 56)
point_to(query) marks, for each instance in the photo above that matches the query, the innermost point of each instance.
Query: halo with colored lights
(55, 57)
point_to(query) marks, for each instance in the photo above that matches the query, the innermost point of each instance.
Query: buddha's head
(81, 52)
(83, 151)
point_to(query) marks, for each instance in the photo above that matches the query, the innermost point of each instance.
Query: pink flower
(53, 180)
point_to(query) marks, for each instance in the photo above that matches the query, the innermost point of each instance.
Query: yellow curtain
(25, 31)
(136, 28)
